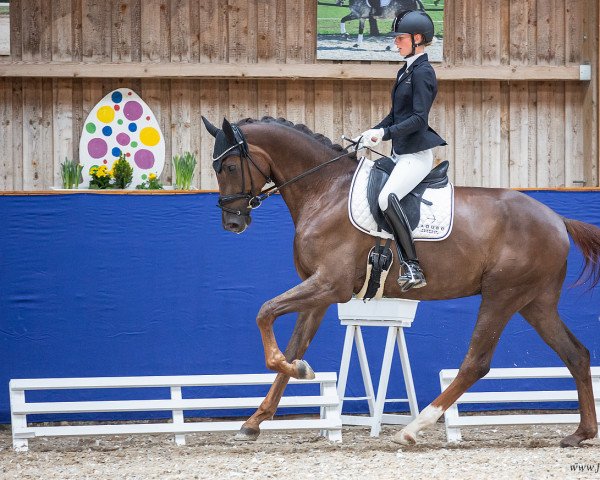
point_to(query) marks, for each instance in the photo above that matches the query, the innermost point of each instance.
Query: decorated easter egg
(122, 123)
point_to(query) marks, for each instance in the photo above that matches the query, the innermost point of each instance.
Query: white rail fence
(327, 401)
(454, 421)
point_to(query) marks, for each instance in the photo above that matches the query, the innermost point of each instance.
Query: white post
(332, 414)
(365, 371)
(345, 363)
(386, 366)
(17, 400)
(453, 434)
(178, 414)
(407, 372)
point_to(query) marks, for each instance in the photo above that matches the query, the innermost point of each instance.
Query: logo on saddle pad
(429, 207)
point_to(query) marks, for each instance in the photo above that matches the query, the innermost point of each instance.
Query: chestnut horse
(505, 246)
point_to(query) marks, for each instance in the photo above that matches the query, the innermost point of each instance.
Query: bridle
(240, 148)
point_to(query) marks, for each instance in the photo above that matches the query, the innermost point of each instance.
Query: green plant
(153, 183)
(122, 171)
(101, 178)
(70, 173)
(184, 170)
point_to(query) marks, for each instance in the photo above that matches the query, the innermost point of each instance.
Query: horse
(362, 10)
(505, 246)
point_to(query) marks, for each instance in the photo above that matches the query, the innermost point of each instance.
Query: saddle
(411, 203)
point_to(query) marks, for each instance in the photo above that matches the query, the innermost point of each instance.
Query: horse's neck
(298, 153)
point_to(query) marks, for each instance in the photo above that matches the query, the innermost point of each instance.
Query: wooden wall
(500, 133)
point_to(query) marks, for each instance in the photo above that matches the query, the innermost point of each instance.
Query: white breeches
(410, 169)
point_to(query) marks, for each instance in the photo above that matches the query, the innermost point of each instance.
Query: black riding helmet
(413, 22)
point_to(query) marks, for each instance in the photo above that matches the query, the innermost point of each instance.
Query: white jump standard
(395, 315)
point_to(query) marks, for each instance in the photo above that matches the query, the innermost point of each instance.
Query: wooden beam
(281, 71)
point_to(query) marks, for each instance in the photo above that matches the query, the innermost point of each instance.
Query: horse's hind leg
(494, 313)
(306, 326)
(542, 314)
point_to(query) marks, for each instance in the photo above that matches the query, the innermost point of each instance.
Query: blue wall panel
(107, 285)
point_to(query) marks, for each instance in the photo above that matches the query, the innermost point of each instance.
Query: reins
(255, 201)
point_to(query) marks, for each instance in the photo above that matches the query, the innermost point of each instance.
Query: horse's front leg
(306, 326)
(314, 293)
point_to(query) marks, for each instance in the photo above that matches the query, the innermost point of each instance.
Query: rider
(412, 138)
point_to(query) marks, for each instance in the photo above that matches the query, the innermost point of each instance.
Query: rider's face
(404, 44)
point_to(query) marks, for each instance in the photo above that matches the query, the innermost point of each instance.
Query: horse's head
(239, 177)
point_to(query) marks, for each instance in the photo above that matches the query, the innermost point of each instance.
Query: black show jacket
(407, 123)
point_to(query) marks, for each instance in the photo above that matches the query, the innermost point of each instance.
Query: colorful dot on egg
(128, 154)
(133, 110)
(105, 161)
(144, 176)
(107, 131)
(132, 127)
(97, 148)
(120, 121)
(122, 139)
(148, 118)
(90, 127)
(144, 159)
(128, 93)
(117, 97)
(149, 136)
(117, 108)
(105, 114)
(116, 152)
(134, 144)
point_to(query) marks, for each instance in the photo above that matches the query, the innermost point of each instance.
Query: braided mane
(296, 126)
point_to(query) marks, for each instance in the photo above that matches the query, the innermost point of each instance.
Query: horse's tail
(587, 238)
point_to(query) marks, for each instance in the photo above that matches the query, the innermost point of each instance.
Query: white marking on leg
(342, 28)
(360, 38)
(425, 419)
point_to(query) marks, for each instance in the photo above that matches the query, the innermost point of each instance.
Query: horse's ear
(228, 131)
(210, 127)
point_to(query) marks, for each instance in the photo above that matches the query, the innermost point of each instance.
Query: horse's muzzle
(236, 223)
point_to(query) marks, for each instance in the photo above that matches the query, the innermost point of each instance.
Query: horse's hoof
(388, 48)
(571, 441)
(355, 45)
(404, 438)
(305, 372)
(246, 434)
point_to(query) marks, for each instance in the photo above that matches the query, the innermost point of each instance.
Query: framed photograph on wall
(361, 29)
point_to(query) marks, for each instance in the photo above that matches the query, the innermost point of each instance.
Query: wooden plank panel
(63, 132)
(76, 23)
(213, 31)
(447, 100)
(17, 132)
(77, 114)
(155, 31)
(267, 98)
(295, 101)
(493, 165)
(238, 31)
(33, 148)
(356, 110)
(519, 135)
(310, 31)
(211, 108)
(62, 31)
(467, 170)
(126, 31)
(47, 167)
(16, 29)
(180, 117)
(380, 106)
(294, 31)
(196, 128)
(31, 11)
(266, 26)
(180, 30)
(7, 174)
(96, 22)
(324, 119)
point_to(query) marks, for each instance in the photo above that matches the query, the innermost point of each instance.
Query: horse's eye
(231, 168)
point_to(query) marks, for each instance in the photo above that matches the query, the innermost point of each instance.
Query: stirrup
(412, 277)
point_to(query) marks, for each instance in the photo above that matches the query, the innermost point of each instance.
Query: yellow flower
(93, 170)
(152, 176)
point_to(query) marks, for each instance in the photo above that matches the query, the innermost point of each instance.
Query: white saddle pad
(436, 219)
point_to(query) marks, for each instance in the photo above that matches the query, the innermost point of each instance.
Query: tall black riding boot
(411, 275)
